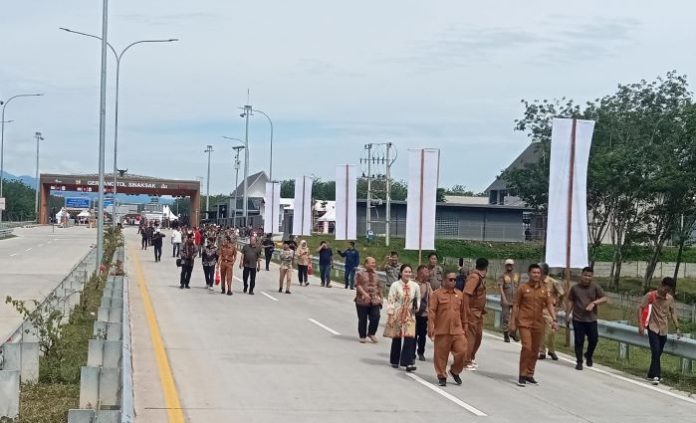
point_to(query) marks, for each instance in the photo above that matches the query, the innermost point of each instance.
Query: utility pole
(368, 205)
(387, 230)
(209, 149)
(38, 183)
(236, 180)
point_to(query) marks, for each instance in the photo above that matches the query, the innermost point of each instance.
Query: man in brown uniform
(527, 316)
(475, 304)
(368, 300)
(436, 272)
(228, 255)
(556, 292)
(447, 327)
(508, 283)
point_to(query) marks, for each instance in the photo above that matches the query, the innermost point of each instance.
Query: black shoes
(588, 361)
(187, 287)
(181, 286)
(223, 291)
(542, 356)
(530, 379)
(442, 381)
(457, 379)
(395, 366)
(229, 292)
(410, 368)
(280, 290)
(506, 337)
(421, 357)
(578, 366)
(246, 288)
(515, 337)
(287, 292)
(522, 381)
(553, 356)
(251, 292)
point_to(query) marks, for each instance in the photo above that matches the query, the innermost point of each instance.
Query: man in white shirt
(176, 242)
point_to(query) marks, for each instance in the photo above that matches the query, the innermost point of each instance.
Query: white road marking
(473, 410)
(12, 255)
(269, 296)
(640, 383)
(28, 249)
(326, 328)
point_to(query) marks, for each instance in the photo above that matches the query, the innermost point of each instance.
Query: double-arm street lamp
(39, 137)
(118, 57)
(2, 137)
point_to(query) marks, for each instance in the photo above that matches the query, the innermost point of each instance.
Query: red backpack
(647, 311)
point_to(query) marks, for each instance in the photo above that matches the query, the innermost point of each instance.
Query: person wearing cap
(556, 292)
(508, 283)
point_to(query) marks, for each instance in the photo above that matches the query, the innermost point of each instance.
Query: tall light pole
(118, 57)
(236, 149)
(102, 135)
(2, 138)
(38, 184)
(270, 165)
(245, 206)
(208, 149)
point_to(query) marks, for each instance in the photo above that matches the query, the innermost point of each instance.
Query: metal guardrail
(106, 383)
(624, 334)
(6, 232)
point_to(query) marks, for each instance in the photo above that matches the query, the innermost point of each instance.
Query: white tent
(84, 213)
(167, 214)
(329, 216)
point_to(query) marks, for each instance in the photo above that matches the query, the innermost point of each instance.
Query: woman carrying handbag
(402, 304)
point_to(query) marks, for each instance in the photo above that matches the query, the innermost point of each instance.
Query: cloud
(168, 19)
(564, 39)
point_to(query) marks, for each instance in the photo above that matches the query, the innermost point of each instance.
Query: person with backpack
(583, 299)
(475, 304)
(654, 313)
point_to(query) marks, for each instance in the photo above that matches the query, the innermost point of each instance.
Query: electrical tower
(376, 169)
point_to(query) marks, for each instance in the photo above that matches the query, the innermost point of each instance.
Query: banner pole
(569, 223)
(346, 203)
(420, 213)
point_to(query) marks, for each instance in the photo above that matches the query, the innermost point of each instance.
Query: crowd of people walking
(426, 302)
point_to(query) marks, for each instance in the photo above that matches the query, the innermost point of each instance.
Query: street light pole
(38, 184)
(118, 57)
(2, 138)
(270, 165)
(245, 206)
(102, 134)
(209, 149)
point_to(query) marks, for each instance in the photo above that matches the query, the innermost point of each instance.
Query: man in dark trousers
(251, 263)
(325, 262)
(268, 248)
(582, 301)
(352, 260)
(157, 237)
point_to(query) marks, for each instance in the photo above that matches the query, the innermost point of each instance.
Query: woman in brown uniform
(287, 256)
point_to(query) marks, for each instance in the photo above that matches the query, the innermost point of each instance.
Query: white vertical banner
(302, 215)
(271, 215)
(346, 203)
(570, 153)
(423, 176)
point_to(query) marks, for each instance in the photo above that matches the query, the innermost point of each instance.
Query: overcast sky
(332, 75)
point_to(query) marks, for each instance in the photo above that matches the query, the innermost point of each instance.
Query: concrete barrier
(107, 331)
(24, 357)
(9, 393)
(103, 353)
(99, 387)
(94, 416)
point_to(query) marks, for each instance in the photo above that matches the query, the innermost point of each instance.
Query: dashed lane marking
(470, 408)
(326, 328)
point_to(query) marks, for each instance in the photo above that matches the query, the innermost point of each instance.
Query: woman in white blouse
(402, 304)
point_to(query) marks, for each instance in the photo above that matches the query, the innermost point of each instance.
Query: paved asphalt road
(295, 358)
(34, 262)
